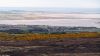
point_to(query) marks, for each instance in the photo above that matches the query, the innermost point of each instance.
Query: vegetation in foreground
(67, 44)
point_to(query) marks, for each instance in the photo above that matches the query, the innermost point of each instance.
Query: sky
(51, 3)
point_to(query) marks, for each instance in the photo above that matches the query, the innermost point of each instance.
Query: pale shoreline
(53, 19)
(54, 22)
(43, 15)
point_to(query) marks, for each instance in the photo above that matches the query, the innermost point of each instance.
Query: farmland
(30, 37)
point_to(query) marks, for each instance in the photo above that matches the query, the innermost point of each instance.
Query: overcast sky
(51, 3)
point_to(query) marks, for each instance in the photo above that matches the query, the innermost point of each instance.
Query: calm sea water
(51, 9)
(55, 22)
